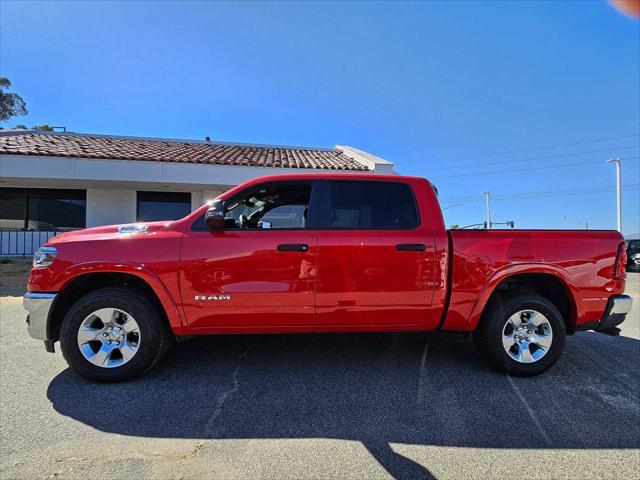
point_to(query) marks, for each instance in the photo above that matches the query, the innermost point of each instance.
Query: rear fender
(510, 270)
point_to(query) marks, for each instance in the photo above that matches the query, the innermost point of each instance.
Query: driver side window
(270, 206)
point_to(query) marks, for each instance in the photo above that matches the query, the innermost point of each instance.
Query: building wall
(112, 184)
(21, 167)
(211, 194)
(200, 198)
(106, 207)
(114, 206)
(197, 200)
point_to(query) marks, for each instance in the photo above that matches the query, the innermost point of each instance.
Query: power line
(540, 194)
(557, 165)
(502, 162)
(460, 157)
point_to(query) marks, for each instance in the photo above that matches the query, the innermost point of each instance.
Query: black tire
(488, 336)
(154, 333)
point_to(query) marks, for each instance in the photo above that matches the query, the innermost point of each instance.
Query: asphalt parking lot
(323, 406)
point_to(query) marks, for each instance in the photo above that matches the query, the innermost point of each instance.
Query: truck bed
(583, 260)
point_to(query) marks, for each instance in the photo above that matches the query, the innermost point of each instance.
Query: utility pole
(488, 194)
(618, 190)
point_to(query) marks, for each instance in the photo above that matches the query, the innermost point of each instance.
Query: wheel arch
(84, 279)
(552, 284)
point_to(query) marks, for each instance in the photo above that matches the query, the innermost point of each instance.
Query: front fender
(151, 278)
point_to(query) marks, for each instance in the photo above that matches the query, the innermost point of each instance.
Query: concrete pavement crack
(235, 386)
(530, 411)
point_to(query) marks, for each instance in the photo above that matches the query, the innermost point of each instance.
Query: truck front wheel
(113, 334)
(523, 335)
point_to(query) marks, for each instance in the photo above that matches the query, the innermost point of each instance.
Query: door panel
(246, 280)
(363, 279)
(375, 256)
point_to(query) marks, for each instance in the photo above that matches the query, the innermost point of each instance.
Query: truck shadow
(426, 389)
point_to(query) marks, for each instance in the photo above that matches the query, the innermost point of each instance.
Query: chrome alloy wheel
(109, 337)
(527, 336)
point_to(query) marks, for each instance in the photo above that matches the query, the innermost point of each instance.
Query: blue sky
(439, 88)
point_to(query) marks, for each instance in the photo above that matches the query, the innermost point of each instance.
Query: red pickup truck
(320, 253)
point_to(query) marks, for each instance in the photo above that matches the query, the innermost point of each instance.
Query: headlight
(44, 257)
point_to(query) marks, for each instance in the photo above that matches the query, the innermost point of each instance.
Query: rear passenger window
(369, 205)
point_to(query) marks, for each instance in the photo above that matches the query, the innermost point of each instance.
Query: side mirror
(264, 225)
(215, 215)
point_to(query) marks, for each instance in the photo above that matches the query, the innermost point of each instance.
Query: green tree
(454, 226)
(11, 104)
(46, 128)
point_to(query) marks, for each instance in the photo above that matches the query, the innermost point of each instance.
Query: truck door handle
(293, 247)
(411, 247)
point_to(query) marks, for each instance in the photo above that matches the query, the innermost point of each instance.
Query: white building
(51, 182)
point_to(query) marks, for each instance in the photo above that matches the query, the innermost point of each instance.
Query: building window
(51, 209)
(13, 207)
(155, 206)
(42, 208)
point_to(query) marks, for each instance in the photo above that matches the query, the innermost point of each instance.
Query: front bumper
(39, 307)
(616, 311)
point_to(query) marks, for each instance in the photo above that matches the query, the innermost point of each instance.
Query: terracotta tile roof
(159, 150)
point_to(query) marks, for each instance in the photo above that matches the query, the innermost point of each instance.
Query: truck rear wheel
(113, 334)
(524, 335)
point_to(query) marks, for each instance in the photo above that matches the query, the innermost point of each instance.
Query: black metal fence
(23, 243)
